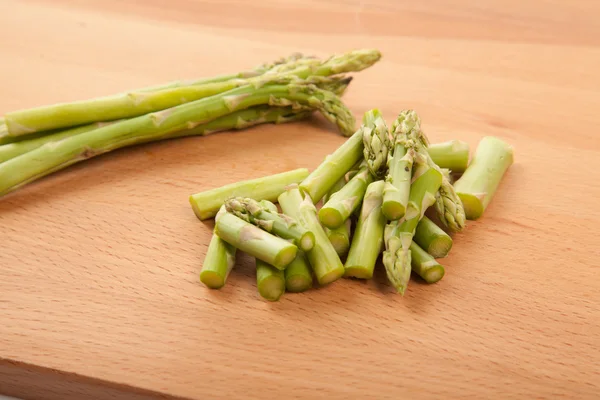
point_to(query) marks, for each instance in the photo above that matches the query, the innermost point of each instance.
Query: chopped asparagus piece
(423, 264)
(298, 275)
(254, 241)
(377, 142)
(270, 281)
(368, 236)
(207, 203)
(453, 155)
(432, 238)
(218, 262)
(323, 258)
(340, 237)
(479, 183)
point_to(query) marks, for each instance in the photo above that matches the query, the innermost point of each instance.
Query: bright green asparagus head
(352, 61)
(406, 129)
(249, 210)
(449, 207)
(377, 142)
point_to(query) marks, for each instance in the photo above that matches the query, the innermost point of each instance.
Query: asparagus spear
(340, 236)
(254, 241)
(55, 156)
(406, 132)
(298, 276)
(377, 142)
(323, 258)
(278, 224)
(133, 104)
(432, 238)
(368, 237)
(206, 204)
(396, 257)
(270, 281)
(479, 183)
(335, 166)
(218, 262)
(453, 155)
(425, 265)
(343, 203)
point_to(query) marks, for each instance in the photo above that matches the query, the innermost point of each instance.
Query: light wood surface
(99, 289)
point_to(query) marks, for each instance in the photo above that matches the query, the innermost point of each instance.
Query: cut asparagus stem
(406, 132)
(323, 258)
(218, 262)
(479, 183)
(424, 265)
(368, 237)
(278, 224)
(335, 166)
(453, 155)
(298, 275)
(340, 237)
(270, 281)
(377, 142)
(46, 159)
(206, 204)
(432, 238)
(342, 203)
(396, 258)
(133, 104)
(254, 241)
(238, 120)
(269, 206)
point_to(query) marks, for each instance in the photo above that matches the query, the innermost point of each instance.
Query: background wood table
(99, 290)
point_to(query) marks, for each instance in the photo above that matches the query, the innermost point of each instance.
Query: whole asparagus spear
(281, 92)
(133, 104)
(278, 224)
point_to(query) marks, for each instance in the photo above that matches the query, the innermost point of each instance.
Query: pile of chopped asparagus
(368, 198)
(39, 141)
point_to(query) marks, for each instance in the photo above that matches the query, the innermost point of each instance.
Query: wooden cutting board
(99, 289)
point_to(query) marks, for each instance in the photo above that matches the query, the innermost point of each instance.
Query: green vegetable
(206, 204)
(425, 265)
(298, 275)
(477, 186)
(368, 236)
(377, 142)
(432, 238)
(453, 155)
(270, 281)
(254, 241)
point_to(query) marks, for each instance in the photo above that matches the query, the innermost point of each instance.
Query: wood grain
(99, 289)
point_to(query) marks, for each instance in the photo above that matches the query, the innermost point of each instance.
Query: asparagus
(368, 237)
(432, 238)
(477, 186)
(55, 156)
(278, 224)
(377, 143)
(206, 204)
(323, 258)
(343, 203)
(218, 262)
(340, 236)
(453, 155)
(335, 166)
(298, 276)
(396, 257)
(406, 132)
(425, 265)
(254, 241)
(136, 103)
(270, 281)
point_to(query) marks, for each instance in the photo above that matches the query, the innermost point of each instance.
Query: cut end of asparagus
(298, 283)
(307, 241)
(393, 210)
(330, 217)
(211, 279)
(340, 242)
(359, 272)
(473, 204)
(435, 274)
(331, 276)
(285, 257)
(440, 247)
(271, 288)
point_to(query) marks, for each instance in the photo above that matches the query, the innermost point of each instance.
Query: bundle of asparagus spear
(367, 198)
(36, 142)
